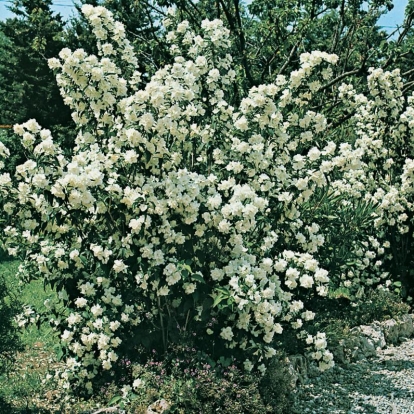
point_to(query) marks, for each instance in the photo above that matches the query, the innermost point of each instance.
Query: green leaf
(83, 259)
(223, 290)
(196, 296)
(225, 362)
(198, 277)
(207, 303)
(217, 300)
(187, 267)
(115, 399)
(59, 352)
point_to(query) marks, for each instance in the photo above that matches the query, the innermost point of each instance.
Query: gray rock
(350, 349)
(363, 342)
(298, 368)
(375, 334)
(391, 331)
(372, 379)
(406, 326)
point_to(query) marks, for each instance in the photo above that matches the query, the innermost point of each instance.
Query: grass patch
(33, 294)
(22, 385)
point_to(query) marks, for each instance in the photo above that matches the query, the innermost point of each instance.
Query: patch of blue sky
(65, 8)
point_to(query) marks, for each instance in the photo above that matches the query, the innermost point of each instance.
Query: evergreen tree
(27, 85)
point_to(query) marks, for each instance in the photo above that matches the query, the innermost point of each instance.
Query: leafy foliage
(9, 308)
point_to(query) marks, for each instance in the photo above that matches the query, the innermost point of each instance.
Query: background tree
(28, 88)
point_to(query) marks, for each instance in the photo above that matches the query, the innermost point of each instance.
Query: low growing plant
(192, 383)
(379, 305)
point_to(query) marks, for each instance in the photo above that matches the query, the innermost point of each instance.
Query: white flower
(280, 265)
(5, 179)
(297, 324)
(117, 300)
(4, 151)
(317, 355)
(322, 290)
(163, 291)
(242, 124)
(138, 383)
(308, 315)
(314, 154)
(224, 226)
(74, 254)
(227, 333)
(262, 368)
(174, 278)
(291, 284)
(296, 305)
(277, 328)
(217, 274)
(270, 352)
(248, 366)
(214, 201)
(328, 356)
(81, 302)
(306, 281)
(213, 76)
(67, 336)
(73, 319)
(320, 341)
(189, 288)
(119, 266)
(114, 325)
(88, 289)
(87, 9)
(32, 125)
(311, 264)
(182, 27)
(28, 139)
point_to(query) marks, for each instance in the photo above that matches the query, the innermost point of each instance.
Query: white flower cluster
(173, 194)
(382, 171)
(320, 353)
(27, 317)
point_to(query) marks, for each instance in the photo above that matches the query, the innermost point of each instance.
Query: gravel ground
(383, 384)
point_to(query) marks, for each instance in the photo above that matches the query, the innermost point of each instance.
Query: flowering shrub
(181, 211)
(383, 125)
